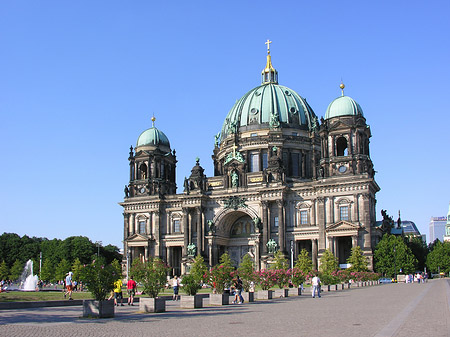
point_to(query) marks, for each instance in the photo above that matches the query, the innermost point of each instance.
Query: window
(343, 211)
(295, 168)
(176, 226)
(264, 160)
(254, 162)
(275, 221)
(303, 217)
(295, 134)
(341, 145)
(142, 224)
(254, 135)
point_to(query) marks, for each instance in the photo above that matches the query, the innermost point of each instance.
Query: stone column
(157, 233)
(132, 224)
(266, 226)
(169, 259)
(185, 229)
(365, 209)
(199, 230)
(281, 227)
(204, 230)
(321, 223)
(354, 240)
(146, 253)
(190, 227)
(314, 254)
(126, 220)
(335, 247)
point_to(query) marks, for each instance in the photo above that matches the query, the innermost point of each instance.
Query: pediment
(339, 125)
(137, 238)
(343, 226)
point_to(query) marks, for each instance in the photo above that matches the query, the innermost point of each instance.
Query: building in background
(437, 228)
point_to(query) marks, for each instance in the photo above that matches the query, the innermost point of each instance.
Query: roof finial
(269, 74)
(153, 121)
(268, 42)
(342, 86)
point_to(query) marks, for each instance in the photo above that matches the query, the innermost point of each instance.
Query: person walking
(175, 285)
(69, 286)
(315, 286)
(131, 289)
(118, 292)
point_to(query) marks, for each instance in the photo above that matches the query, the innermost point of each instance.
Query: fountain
(28, 281)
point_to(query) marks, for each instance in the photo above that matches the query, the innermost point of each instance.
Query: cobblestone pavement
(383, 310)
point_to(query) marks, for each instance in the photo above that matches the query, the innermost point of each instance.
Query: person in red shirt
(131, 289)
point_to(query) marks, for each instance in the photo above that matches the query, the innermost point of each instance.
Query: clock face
(342, 169)
(142, 190)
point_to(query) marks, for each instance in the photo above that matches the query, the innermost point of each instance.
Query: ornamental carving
(235, 202)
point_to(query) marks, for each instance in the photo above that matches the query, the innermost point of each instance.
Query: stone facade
(289, 180)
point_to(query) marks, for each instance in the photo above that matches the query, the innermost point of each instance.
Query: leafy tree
(48, 271)
(111, 253)
(51, 252)
(438, 259)
(419, 249)
(392, 255)
(99, 277)
(198, 269)
(16, 270)
(357, 260)
(62, 269)
(77, 268)
(4, 271)
(225, 260)
(151, 274)
(280, 261)
(77, 247)
(328, 262)
(304, 262)
(10, 245)
(246, 271)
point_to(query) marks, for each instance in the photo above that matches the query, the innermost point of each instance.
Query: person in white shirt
(315, 286)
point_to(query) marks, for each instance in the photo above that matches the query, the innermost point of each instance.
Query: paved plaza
(382, 310)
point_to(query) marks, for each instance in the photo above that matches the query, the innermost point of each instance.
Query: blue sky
(80, 80)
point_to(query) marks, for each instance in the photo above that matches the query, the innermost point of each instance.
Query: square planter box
(264, 294)
(248, 296)
(98, 309)
(281, 292)
(147, 304)
(191, 302)
(295, 291)
(219, 299)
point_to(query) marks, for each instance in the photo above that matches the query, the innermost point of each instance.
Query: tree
(304, 262)
(48, 271)
(280, 261)
(77, 268)
(392, 255)
(99, 277)
(419, 249)
(4, 271)
(438, 259)
(198, 269)
(357, 260)
(10, 245)
(151, 274)
(246, 271)
(111, 253)
(16, 270)
(328, 262)
(62, 269)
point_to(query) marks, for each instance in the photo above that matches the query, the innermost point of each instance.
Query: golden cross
(234, 147)
(268, 42)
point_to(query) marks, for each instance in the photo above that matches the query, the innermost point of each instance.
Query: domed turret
(153, 138)
(343, 106)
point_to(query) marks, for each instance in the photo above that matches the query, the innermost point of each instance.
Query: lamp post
(395, 264)
(128, 262)
(292, 254)
(98, 243)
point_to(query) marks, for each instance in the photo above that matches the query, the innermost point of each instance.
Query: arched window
(341, 146)
(143, 171)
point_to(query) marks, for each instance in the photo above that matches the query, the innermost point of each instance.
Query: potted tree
(219, 277)
(98, 278)
(266, 279)
(246, 272)
(297, 278)
(192, 284)
(280, 267)
(152, 275)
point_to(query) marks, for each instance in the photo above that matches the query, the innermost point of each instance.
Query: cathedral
(283, 180)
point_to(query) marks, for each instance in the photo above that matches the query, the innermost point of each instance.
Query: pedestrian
(131, 289)
(239, 285)
(118, 292)
(69, 287)
(175, 285)
(315, 286)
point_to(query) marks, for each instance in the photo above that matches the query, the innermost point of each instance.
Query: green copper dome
(343, 106)
(155, 138)
(269, 105)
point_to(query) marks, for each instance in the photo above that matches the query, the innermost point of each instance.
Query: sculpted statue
(271, 246)
(234, 179)
(257, 222)
(127, 191)
(186, 185)
(191, 249)
(387, 223)
(211, 226)
(216, 140)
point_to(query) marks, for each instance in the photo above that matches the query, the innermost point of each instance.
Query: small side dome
(153, 137)
(343, 106)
